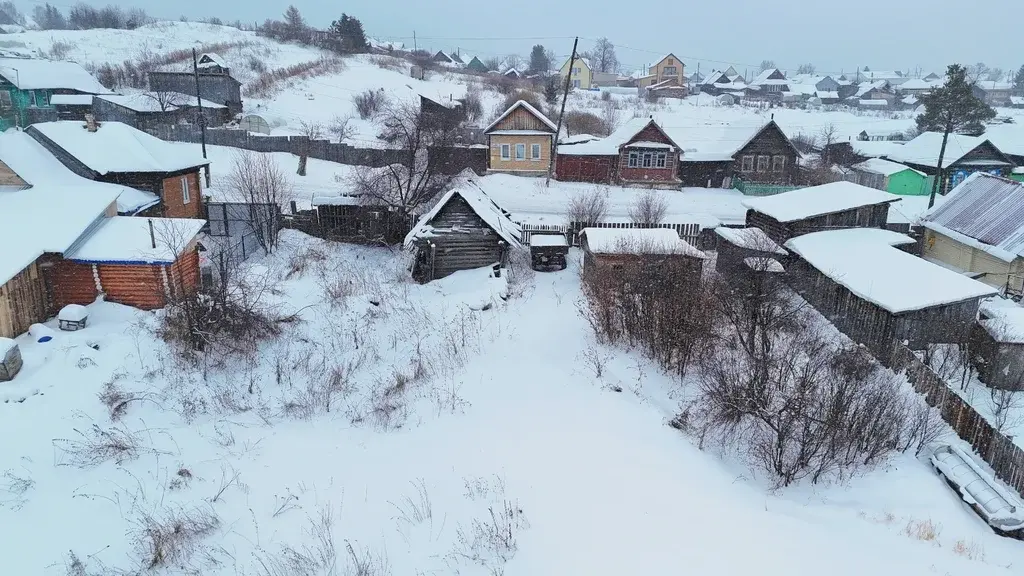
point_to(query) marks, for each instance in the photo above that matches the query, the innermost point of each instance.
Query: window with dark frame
(762, 163)
(778, 164)
(634, 159)
(648, 159)
(5, 99)
(748, 164)
(661, 159)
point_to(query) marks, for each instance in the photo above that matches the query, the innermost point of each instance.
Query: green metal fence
(755, 189)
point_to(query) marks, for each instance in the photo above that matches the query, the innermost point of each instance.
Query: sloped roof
(529, 108)
(150, 101)
(750, 239)
(916, 84)
(117, 147)
(214, 60)
(884, 167)
(638, 241)
(127, 240)
(984, 211)
(924, 149)
(818, 201)
(763, 77)
(38, 74)
(866, 87)
(492, 214)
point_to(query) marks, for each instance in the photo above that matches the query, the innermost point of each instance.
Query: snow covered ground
(459, 412)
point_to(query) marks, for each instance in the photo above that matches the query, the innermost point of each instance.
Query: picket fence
(691, 232)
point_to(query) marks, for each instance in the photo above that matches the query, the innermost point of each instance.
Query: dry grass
(97, 445)
(924, 530)
(270, 82)
(170, 540)
(970, 550)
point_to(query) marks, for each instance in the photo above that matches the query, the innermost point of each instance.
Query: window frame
(186, 196)
(520, 157)
(661, 160)
(669, 71)
(505, 151)
(5, 100)
(765, 161)
(647, 160)
(747, 159)
(633, 160)
(778, 164)
(535, 152)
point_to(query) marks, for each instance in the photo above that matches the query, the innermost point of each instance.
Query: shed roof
(884, 167)
(818, 201)
(151, 101)
(492, 214)
(924, 149)
(638, 241)
(1003, 320)
(985, 212)
(750, 239)
(71, 99)
(38, 74)
(864, 261)
(211, 59)
(127, 240)
(529, 108)
(116, 147)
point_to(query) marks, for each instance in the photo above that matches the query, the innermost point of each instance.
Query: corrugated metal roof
(986, 208)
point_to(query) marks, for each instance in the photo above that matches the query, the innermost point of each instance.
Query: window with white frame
(575, 83)
(634, 159)
(185, 197)
(778, 164)
(535, 151)
(668, 71)
(661, 159)
(762, 163)
(506, 152)
(520, 151)
(748, 164)
(648, 159)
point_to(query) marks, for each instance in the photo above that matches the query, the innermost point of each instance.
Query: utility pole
(414, 47)
(202, 119)
(561, 113)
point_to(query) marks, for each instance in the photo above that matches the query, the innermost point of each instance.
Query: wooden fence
(691, 232)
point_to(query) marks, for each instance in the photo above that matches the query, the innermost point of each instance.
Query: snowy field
(460, 412)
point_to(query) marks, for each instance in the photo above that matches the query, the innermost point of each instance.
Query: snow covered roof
(117, 147)
(825, 94)
(151, 101)
(38, 74)
(39, 168)
(864, 261)
(989, 85)
(71, 99)
(884, 167)
(874, 149)
(529, 108)
(1009, 138)
(916, 84)
(818, 201)
(548, 240)
(481, 203)
(873, 103)
(750, 239)
(1003, 319)
(866, 87)
(762, 264)
(985, 212)
(924, 149)
(211, 59)
(127, 240)
(609, 145)
(638, 241)
(762, 79)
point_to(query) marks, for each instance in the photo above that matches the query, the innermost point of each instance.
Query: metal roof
(987, 209)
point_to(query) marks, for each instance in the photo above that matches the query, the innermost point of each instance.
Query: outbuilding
(614, 250)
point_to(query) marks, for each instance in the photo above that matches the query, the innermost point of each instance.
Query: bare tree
(257, 180)
(587, 208)
(603, 57)
(767, 65)
(426, 142)
(827, 136)
(168, 101)
(514, 61)
(311, 131)
(648, 209)
(341, 128)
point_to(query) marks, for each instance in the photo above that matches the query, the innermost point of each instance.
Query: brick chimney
(90, 123)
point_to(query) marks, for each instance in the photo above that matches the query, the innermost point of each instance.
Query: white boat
(992, 502)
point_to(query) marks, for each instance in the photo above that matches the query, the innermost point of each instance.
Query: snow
(1003, 320)
(750, 239)
(874, 149)
(818, 201)
(71, 99)
(865, 261)
(72, 313)
(343, 200)
(648, 144)
(977, 487)
(127, 240)
(924, 149)
(884, 167)
(873, 103)
(38, 74)
(39, 168)
(150, 101)
(6, 345)
(529, 107)
(484, 207)
(764, 264)
(984, 212)
(117, 147)
(547, 240)
(638, 241)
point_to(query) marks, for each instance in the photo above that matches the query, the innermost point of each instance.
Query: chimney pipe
(90, 123)
(152, 236)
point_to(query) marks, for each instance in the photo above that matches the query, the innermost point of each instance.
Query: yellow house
(519, 141)
(667, 68)
(582, 73)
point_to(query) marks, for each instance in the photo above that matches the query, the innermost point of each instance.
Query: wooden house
(718, 156)
(72, 106)
(979, 229)
(476, 65)
(667, 70)
(464, 230)
(442, 58)
(892, 177)
(581, 75)
(149, 111)
(520, 141)
(27, 86)
(215, 84)
(768, 86)
(612, 251)
(63, 242)
(211, 63)
(964, 156)
(997, 344)
(993, 92)
(826, 207)
(639, 152)
(117, 153)
(879, 295)
(878, 93)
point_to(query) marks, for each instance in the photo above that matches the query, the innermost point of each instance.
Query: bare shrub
(257, 180)
(386, 62)
(580, 122)
(610, 116)
(270, 82)
(169, 539)
(61, 49)
(924, 530)
(491, 542)
(595, 361)
(320, 558)
(415, 510)
(115, 398)
(648, 209)
(341, 128)
(472, 104)
(971, 550)
(587, 208)
(369, 102)
(532, 98)
(300, 261)
(13, 487)
(96, 445)
(606, 96)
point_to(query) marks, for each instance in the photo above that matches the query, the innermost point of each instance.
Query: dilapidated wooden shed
(464, 230)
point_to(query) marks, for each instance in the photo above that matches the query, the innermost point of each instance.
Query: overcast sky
(834, 36)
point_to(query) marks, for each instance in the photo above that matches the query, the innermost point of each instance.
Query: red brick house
(638, 153)
(120, 154)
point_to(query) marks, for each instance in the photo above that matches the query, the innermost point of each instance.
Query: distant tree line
(84, 17)
(344, 36)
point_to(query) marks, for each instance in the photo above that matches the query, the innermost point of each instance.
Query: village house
(464, 230)
(979, 230)
(520, 141)
(997, 344)
(964, 156)
(917, 87)
(476, 65)
(993, 92)
(890, 176)
(150, 111)
(581, 75)
(718, 83)
(768, 86)
(27, 86)
(215, 83)
(665, 74)
(730, 155)
(892, 77)
(442, 58)
(117, 153)
(826, 207)
(65, 244)
(638, 153)
(879, 294)
(850, 152)
(609, 250)
(876, 94)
